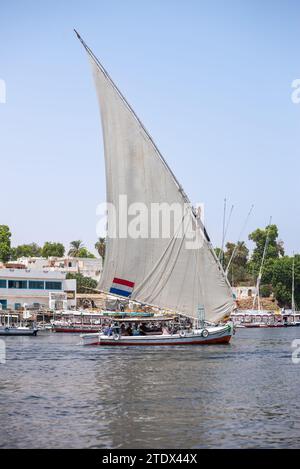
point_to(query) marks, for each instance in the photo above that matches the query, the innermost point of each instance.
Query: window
(3, 304)
(2, 283)
(17, 284)
(53, 286)
(36, 285)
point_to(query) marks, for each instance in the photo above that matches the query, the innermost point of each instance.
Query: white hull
(23, 331)
(216, 335)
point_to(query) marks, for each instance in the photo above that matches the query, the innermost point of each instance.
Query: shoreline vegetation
(276, 282)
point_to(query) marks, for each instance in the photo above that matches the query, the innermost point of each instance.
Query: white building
(35, 289)
(242, 293)
(88, 267)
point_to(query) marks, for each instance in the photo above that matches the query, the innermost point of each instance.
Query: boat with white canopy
(178, 272)
(10, 325)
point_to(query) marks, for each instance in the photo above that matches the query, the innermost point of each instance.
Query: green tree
(53, 249)
(237, 255)
(5, 246)
(240, 256)
(75, 247)
(84, 284)
(275, 249)
(265, 291)
(26, 250)
(282, 280)
(100, 246)
(83, 252)
(218, 251)
(282, 295)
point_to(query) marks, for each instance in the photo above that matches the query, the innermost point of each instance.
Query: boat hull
(77, 330)
(11, 331)
(260, 326)
(217, 335)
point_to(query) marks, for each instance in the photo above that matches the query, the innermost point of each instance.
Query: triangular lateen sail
(161, 271)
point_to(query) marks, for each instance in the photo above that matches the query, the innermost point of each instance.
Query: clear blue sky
(211, 80)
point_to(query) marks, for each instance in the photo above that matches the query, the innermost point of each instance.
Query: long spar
(239, 238)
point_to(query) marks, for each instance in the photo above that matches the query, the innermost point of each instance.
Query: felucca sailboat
(168, 272)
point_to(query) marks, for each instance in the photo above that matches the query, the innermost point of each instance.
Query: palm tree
(75, 247)
(100, 246)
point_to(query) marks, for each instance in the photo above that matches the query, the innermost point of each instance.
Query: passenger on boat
(108, 331)
(142, 329)
(129, 330)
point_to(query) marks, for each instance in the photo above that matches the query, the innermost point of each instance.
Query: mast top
(85, 45)
(77, 34)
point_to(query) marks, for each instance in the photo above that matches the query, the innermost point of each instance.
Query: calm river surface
(55, 393)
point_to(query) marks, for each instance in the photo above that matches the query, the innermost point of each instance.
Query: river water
(55, 393)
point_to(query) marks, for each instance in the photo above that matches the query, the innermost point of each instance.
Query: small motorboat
(77, 328)
(18, 330)
(10, 325)
(44, 327)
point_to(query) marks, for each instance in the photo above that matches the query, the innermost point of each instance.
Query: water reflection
(54, 393)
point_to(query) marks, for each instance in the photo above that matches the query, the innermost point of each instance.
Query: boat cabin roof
(253, 313)
(144, 319)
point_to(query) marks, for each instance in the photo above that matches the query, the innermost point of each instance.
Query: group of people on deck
(142, 328)
(125, 329)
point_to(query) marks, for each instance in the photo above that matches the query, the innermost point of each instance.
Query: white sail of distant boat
(159, 271)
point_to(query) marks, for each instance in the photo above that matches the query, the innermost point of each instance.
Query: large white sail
(161, 271)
